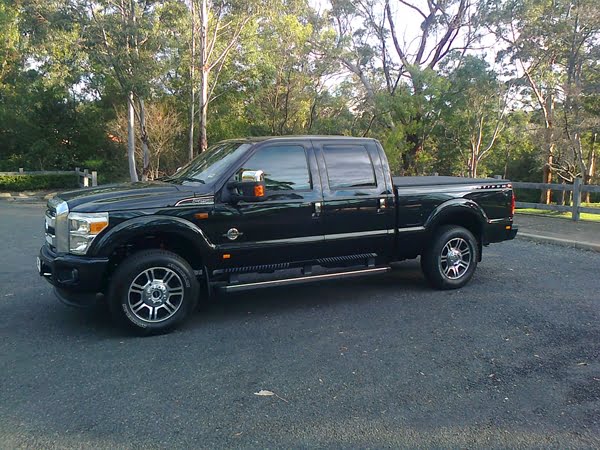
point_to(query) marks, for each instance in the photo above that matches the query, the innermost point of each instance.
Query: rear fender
(462, 212)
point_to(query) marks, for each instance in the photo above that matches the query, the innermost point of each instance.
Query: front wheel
(153, 291)
(451, 259)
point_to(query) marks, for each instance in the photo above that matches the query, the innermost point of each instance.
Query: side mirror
(251, 186)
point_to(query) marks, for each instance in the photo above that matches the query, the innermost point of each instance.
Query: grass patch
(563, 215)
(16, 183)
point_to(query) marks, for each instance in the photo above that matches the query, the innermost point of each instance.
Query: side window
(349, 166)
(285, 167)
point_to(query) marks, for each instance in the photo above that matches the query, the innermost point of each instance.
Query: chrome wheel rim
(155, 295)
(455, 258)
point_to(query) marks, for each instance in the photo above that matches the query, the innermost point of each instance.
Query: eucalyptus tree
(477, 115)
(220, 24)
(581, 48)
(125, 41)
(550, 44)
(369, 42)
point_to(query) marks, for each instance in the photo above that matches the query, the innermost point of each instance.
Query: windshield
(209, 165)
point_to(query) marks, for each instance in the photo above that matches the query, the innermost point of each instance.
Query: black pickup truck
(261, 212)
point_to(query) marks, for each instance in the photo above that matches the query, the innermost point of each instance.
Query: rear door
(283, 227)
(358, 201)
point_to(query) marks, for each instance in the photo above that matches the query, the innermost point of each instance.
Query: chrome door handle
(382, 205)
(318, 209)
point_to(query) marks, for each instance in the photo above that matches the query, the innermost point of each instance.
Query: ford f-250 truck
(261, 212)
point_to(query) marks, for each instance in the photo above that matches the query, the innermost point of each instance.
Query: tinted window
(348, 166)
(285, 167)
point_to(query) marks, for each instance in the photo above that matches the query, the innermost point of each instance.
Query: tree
(124, 36)
(166, 127)
(220, 26)
(364, 29)
(479, 104)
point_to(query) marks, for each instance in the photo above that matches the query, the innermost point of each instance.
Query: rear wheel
(451, 259)
(153, 291)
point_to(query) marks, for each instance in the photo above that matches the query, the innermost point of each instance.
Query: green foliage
(38, 182)
(66, 68)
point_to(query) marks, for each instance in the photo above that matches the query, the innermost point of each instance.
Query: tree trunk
(591, 166)
(145, 141)
(204, 72)
(192, 85)
(546, 196)
(131, 137)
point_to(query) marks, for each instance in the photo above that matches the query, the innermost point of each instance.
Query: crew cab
(261, 212)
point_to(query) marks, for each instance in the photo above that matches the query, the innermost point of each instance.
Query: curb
(559, 241)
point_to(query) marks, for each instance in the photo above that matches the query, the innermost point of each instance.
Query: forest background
(135, 88)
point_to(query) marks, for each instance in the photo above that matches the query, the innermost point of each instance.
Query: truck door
(358, 204)
(283, 227)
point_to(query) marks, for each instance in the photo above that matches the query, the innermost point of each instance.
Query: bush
(38, 182)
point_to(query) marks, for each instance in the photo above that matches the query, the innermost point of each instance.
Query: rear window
(348, 166)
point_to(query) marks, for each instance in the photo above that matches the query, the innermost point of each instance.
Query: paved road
(512, 360)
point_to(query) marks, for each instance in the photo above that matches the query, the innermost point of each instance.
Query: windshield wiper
(197, 180)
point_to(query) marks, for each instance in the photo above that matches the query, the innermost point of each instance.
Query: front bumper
(73, 274)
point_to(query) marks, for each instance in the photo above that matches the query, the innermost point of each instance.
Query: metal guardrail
(577, 188)
(85, 178)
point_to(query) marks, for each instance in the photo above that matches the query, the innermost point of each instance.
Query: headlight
(83, 228)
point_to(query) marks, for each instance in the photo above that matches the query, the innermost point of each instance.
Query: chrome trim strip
(298, 240)
(307, 279)
(410, 229)
(358, 234)
(306, 239)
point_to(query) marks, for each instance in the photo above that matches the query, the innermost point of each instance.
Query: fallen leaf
(264, 393)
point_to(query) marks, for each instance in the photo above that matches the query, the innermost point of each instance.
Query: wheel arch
(461, 212)
(163, 232)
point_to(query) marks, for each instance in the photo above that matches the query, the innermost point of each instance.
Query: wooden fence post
(94, 178)
(576, 198)
(20, 170)
(86, 180)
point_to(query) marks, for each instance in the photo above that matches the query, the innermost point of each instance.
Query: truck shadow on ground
(405, 278)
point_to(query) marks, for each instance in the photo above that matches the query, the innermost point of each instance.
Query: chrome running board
(304, 279)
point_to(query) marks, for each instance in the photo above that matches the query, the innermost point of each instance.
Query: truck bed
(401, 182)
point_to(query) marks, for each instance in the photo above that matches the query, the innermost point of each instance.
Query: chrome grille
(56, 226)
(50, 228)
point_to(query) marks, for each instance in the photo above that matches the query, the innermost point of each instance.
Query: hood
(139, 195)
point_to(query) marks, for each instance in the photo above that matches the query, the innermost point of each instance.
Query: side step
(305, 279)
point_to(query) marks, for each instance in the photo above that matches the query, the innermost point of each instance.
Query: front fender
(456, 207)
(124, 232)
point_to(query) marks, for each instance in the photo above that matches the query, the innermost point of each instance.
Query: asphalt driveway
(512, 360)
